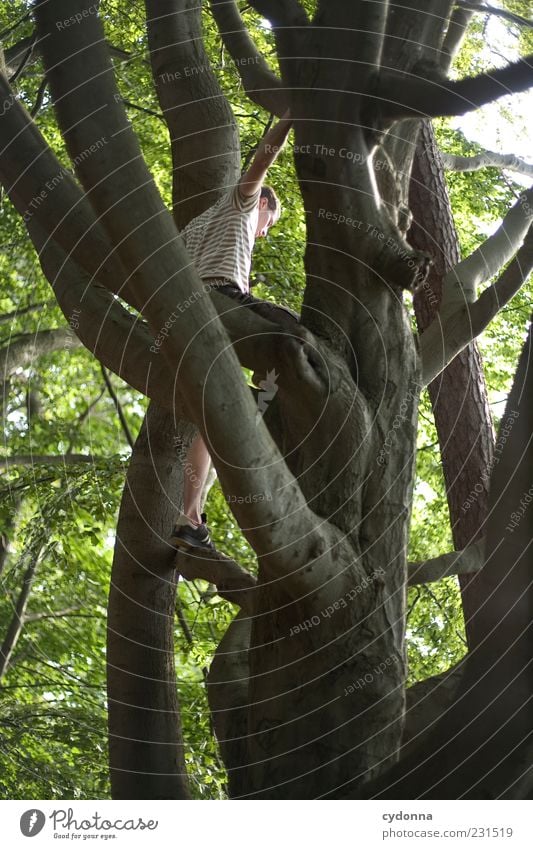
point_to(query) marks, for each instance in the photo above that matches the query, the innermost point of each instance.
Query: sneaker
(189, 537)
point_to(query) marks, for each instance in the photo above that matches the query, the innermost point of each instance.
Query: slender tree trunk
(17, 622)
(459, 395)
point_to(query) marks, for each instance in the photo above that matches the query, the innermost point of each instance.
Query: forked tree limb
(72, 245)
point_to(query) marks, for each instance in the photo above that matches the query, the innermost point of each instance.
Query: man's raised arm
(266, 153)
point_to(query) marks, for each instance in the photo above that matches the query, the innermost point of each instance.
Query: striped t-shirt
(220, 240)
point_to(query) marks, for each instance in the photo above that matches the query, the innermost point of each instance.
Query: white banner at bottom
(266, 825)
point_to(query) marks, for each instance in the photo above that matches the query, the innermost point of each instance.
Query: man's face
(267, 217)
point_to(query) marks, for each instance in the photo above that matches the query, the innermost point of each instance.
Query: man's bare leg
(190, 531)
(196, 471)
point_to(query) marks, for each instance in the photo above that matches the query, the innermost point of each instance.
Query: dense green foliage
(62, 517)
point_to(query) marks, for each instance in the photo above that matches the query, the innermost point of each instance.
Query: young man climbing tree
(220, 242)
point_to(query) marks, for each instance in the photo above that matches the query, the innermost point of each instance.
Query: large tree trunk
(326, 679)
(146, 748)
(481, 747)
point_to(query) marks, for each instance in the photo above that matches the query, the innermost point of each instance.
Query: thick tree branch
(145, 738)
(486, 159)
(465, 562)
(260, 83)
(116, 337)
(448, 335)
(407, 96)
(228, 692)
(232, 581)
(24, 350)
(43, 191)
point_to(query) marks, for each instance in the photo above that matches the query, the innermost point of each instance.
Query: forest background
(69, 426)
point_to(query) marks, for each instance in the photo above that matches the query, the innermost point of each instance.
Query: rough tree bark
(308, 690)
(458, 396)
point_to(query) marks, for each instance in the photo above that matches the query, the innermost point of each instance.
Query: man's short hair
(272, 199)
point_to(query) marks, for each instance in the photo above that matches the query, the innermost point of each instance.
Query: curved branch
(408, 96)
(461, 281)
(118, 339)
(446, 337)
(43, 191)
(465, 562)
(145, 738)
(260, 83)
(486, 159)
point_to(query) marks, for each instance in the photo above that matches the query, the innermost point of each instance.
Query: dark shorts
(272, 312)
